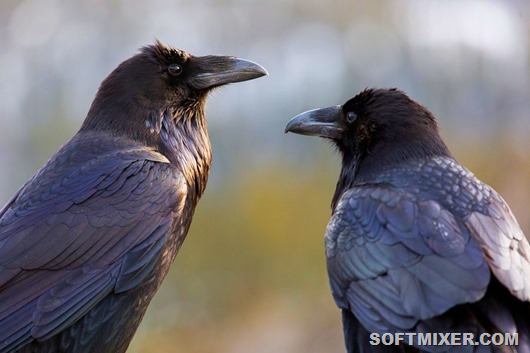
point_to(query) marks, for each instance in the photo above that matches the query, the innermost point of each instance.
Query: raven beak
(214, 71)
(325, 122)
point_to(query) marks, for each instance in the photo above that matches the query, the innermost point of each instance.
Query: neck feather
(178, 133)
(184, 141)
(359, 167)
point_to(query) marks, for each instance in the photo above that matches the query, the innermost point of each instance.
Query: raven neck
(367, 166)
(184, 141)
(387, 155)
(179, 133)
(348, 172)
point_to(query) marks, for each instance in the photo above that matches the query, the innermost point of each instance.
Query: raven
(86, 242)
(417, 247)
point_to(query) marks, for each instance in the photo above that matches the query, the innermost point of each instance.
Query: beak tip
(258, 70)
(317, 122)
(289, 126)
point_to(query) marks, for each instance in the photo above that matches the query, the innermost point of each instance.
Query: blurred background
(251, 276)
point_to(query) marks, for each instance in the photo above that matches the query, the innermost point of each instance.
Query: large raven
(417, 246)
(86, 242)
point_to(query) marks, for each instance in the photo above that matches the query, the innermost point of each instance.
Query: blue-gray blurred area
(251, 276)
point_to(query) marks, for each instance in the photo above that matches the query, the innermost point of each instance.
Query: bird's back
(413, 220)
(85, 245)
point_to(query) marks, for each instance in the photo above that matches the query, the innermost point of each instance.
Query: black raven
(417, 246)
(86, 242)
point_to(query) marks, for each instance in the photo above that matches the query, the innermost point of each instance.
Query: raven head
(158, 79)
(385, 122)
(181, 76)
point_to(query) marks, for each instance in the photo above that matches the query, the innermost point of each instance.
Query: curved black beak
(325, 122)
(214, 70)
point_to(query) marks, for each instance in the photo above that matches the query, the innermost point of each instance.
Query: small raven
(417, 246)
(87, 241)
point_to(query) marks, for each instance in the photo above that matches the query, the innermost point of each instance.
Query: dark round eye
(174, 69)
(350, 117)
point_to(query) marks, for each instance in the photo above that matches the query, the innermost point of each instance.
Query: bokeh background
(251, 275)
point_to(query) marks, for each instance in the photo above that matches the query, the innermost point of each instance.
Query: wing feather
(412, 261)
(76, 233)
(504, 244)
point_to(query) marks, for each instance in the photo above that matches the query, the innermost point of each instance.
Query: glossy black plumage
(86, 242)
(416, 242)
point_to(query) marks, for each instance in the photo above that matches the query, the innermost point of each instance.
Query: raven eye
(350, 117)
(175, 69)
